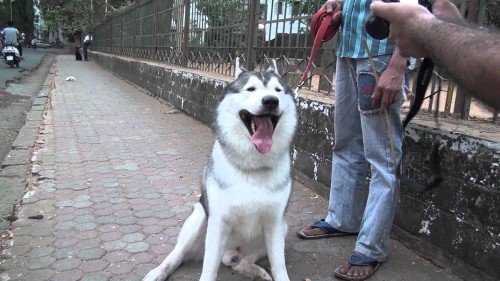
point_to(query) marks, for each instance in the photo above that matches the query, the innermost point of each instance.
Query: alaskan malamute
(246, 185)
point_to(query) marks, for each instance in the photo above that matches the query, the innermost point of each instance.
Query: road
(32, 60)
(18, 87)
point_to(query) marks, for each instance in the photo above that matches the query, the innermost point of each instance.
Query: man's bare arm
(471, 56)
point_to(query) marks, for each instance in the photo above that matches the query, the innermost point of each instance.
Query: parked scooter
(11, 55)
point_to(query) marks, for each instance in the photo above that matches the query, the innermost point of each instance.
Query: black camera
(378, 28)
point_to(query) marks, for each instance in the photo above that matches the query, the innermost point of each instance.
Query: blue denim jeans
(362, 144)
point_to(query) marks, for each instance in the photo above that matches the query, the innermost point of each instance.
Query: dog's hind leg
(189, 245)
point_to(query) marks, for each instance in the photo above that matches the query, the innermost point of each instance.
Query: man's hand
(402, 17)
(447, 11)
(389, 84)
(388, 88)
(332, 4)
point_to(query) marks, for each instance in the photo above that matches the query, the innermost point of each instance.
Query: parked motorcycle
(11, 55)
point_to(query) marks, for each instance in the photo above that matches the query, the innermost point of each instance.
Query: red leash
(322, 29)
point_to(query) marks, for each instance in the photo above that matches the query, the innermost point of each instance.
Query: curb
(17, 163)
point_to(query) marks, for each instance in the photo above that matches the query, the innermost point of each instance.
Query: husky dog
(246, 185)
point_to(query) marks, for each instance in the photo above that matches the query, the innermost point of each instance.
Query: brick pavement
(114, 174)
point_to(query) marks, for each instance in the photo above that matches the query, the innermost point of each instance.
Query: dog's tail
(190, 245)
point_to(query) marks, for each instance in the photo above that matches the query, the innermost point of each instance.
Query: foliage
(22, 15)
(305, 7)
(71, 16)
(223, 13)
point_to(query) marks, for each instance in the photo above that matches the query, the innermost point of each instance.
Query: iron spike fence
(207, 35)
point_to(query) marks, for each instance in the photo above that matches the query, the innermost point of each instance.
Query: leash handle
(325, 32)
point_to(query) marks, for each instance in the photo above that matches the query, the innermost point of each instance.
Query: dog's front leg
(215, 244)
(274, 234)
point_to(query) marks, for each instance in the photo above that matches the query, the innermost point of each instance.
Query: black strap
(423, 79)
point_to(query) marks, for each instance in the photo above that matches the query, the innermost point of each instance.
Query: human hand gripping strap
(323, 28)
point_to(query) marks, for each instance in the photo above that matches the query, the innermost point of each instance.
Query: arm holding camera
(471, 56)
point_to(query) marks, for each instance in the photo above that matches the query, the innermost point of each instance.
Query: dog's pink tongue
(263, 136)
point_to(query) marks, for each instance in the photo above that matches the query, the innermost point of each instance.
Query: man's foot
(358, 267)
(321, 229)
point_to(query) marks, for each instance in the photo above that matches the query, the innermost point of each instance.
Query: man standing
(86, 43)
(12, 35)
(368, 137)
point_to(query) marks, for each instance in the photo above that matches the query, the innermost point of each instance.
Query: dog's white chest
(247, 208)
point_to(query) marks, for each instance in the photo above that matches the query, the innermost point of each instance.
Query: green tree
(72, 16)
(232, 14)
(22, 15)
(300, 8)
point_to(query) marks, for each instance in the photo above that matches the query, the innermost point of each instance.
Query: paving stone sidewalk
(114, 174)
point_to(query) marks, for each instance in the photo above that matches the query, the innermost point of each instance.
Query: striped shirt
(350, 44)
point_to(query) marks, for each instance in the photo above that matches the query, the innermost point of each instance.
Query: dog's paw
(157, 274)
(231, 257)
(263, 278)
(262, 275)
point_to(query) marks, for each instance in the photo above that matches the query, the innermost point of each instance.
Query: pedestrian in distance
(86, 44)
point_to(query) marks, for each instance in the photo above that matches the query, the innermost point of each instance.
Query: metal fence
(208, 35)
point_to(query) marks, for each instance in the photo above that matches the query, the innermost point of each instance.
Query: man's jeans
(85, 50)
(361, 142)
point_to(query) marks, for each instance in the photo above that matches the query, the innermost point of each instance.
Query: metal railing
(208, 35)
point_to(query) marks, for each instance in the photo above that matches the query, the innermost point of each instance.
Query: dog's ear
(273, 68)
(238, 69)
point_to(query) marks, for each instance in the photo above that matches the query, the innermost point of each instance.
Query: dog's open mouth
(261, 129)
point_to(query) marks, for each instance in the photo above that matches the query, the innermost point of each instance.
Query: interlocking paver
(137, 247)
(41, 251)
(133, 237)
(91, 253)
(70, 275)
(40, 263)
(66, 264)
(110, 236)
(62, 253)
(41, 275)
(114, 245)
(120, 267)
(97, 276)
(116, 172)
(94, 265)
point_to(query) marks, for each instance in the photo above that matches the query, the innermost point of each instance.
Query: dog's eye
(277, 89)
(251, 89)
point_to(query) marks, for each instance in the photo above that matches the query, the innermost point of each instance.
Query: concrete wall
(458, 221)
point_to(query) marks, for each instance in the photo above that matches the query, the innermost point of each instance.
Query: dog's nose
(270, 102)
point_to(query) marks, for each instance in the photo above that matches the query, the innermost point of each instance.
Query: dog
(247, 183)
(78, 55)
